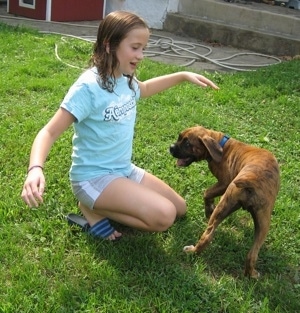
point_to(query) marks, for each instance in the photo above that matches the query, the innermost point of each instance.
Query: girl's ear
(107, 48)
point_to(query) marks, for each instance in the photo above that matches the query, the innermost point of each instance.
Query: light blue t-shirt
(103, 130)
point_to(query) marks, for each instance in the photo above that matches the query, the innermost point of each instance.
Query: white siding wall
(153, 11)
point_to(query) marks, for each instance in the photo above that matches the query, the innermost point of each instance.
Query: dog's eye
(187, 144)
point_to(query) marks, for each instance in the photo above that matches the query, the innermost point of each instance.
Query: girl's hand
(200, 80)
(33, 188)
(155, 85)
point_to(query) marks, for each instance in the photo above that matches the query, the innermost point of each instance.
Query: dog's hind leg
(262, 219)
(227, 205)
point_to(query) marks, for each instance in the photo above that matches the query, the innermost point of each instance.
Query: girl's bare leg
(151, 205)
(159, 186)
(93, 218)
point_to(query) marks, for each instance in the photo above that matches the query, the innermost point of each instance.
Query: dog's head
(196, 144)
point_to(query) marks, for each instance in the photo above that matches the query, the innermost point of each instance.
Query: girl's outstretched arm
(34, 184)
(155, 85)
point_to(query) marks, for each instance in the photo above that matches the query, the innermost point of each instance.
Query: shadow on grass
(225, 257)
(150, 273)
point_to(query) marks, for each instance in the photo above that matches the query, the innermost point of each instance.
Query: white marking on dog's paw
(189, 248)
(256, 275)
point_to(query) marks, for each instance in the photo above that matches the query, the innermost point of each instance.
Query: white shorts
(88, 191)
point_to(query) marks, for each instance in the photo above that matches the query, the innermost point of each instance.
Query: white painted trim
(26, 5)
(104, 8)
(48, 10)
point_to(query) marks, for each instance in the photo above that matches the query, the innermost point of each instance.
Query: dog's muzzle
(182, 160)
(172, 150)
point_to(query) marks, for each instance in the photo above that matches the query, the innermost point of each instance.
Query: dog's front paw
(253, 274)
(189, 249)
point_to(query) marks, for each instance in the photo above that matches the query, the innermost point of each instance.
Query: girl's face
(131, 51)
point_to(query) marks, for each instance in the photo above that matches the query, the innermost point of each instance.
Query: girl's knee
(181, 207)
(166, 218)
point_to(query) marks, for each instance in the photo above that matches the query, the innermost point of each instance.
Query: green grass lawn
(46, 266)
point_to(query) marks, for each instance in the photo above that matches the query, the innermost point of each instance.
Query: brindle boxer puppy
(248, 177)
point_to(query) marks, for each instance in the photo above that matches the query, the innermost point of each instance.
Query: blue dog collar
(224, 140)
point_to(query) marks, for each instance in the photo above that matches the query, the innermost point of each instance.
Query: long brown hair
(112, 30)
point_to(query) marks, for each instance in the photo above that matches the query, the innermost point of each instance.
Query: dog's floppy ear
(213, 147)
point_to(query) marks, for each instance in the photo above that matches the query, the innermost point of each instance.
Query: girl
(101, 105)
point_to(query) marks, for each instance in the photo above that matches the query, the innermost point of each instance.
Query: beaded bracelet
(34, 166)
